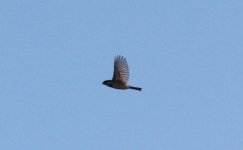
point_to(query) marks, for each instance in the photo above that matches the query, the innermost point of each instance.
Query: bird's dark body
(120, 75)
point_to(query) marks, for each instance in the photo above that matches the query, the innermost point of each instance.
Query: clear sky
(186, 55)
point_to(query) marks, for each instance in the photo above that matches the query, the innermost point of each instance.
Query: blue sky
(187, 56)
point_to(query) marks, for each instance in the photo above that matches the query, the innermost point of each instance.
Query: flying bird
(120, 75)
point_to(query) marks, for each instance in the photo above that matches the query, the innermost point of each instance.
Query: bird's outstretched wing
(121, 70)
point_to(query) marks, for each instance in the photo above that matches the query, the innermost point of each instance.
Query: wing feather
(121, 70)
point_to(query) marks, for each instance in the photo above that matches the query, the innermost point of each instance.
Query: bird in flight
(120, 75)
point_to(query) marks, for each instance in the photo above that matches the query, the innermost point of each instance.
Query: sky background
(186, 55)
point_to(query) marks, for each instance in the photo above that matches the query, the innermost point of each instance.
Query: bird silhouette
(120, 75)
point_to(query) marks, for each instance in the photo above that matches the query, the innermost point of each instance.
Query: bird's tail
(135, 88)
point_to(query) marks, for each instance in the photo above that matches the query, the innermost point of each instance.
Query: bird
(120, 75)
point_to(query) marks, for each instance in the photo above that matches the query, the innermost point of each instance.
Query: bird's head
(107, 83)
